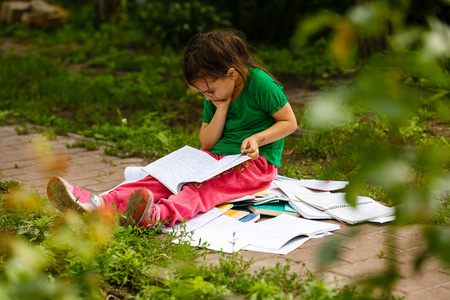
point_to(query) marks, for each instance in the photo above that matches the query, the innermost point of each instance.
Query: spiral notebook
(337, 207)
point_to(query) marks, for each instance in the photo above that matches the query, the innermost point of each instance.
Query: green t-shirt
(249, 114)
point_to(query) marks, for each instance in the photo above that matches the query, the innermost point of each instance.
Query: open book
(274, 233)
(187, 165)
(281, 234)
(336, 206)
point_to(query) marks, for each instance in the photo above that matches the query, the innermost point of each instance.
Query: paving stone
(407, 255)
(100, 187)
(333, 280)
(435, 293)
(39, 184)
(404, 231)
(422, 281)
(108, 178)
(407, 270)
(11, 172)
(408, 242)
(20, 164)
(83, 160)
(314, 265)
(360, 229)
(248, 255)
(72, 151)
(75, 177)
(88, 168)
(364, 253)
(445, 270)
(133, 161)
(376, 238)
(31, 176)
(302, 254)
(362, 268)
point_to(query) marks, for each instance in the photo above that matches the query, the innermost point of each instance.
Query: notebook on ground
(336, 206)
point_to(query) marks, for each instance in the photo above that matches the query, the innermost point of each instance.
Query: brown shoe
(139, 207)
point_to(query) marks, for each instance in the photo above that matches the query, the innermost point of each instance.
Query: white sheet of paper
(305, 210)
(222, 234)
(383, 219)
(198, 221)
(286, 249)
(323, 185)
(276, 232)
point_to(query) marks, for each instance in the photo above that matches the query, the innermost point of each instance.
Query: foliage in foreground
(45, 254)
(394, 99)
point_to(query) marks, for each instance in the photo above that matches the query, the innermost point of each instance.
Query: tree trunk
(370, 45)
(106, 8)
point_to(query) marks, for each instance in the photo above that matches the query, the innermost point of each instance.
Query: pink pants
(248, 178)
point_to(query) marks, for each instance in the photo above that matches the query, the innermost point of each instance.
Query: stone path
(365, 249)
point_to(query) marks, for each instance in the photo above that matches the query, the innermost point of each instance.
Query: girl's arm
(210, 133)
(285, 124)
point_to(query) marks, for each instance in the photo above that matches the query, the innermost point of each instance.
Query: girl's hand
(251, 146)
(220, 104)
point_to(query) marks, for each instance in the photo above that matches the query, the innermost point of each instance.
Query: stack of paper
(280, 235)
(305, 210)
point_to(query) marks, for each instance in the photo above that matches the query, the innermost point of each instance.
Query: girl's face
(215, 89)
(221, 89)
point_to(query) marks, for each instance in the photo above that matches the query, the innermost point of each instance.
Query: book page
(280, 230)
(383, 219)
(361, 213)
(186, 164)
(198, 221)
(325, 201)
(222, 234)
(291, 189)
(222, 165)
(321, 185)
(286, 249)
(307, 211)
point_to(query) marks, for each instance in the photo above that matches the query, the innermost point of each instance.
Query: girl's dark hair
(213, 53)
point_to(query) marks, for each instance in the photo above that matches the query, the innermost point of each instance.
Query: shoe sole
(61, 198)
(136, 209)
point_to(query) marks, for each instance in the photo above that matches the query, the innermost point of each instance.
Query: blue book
(251, 218)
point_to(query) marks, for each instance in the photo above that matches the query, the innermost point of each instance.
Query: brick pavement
(30, 159)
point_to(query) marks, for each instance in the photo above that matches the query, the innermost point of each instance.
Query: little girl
(245, 111)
